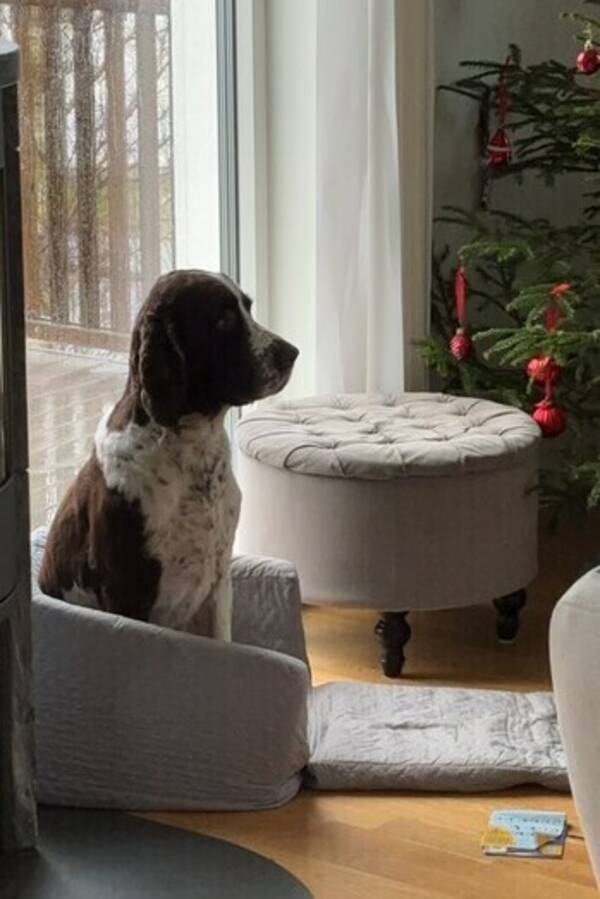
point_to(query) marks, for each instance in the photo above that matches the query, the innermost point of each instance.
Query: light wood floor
(418, 845)
(382, 845)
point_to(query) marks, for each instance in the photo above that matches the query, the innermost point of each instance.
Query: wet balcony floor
(68, 395)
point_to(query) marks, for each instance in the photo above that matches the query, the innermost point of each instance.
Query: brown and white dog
(147, 528)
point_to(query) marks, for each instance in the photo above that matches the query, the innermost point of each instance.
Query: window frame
(228, 137)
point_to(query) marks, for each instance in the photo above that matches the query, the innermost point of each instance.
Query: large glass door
(128, 170)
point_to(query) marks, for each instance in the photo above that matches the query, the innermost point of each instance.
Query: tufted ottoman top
(378, 437)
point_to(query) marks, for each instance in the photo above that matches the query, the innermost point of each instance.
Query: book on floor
(526, 834)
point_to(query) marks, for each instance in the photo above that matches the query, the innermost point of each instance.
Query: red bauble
(560, 289)
(461, 346)
(552, 318)
(461, 294)
(499, 149)
(588, 61)
(544, 370)
(550, 417)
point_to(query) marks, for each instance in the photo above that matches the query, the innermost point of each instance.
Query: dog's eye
(227, 320)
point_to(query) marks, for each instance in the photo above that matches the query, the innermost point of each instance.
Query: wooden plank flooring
(419, 845)
(412, 846)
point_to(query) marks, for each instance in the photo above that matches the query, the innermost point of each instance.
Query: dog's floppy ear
(161, 370)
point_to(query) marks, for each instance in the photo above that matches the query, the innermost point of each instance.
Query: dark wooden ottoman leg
(508, 608)
(393, 631)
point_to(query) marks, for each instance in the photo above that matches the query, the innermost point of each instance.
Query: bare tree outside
(97, 162)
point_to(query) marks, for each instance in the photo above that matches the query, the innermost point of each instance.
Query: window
(128, 166)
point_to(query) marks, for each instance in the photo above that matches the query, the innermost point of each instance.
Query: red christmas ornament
(499, 149)
(552, 318)
(550, 417)
(554, 312)
(543, 369)
(588, 61)
(461, 346)
(461, 293)
(564, 287)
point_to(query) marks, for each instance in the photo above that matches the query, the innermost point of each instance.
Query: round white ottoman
(414, 501)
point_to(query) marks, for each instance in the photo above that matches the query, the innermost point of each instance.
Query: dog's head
(195, 348)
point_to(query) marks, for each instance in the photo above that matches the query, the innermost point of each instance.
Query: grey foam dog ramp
(375, 737)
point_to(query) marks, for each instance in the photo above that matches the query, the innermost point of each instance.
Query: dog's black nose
(285, 354)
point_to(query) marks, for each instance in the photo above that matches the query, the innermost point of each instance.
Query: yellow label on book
(497, 838)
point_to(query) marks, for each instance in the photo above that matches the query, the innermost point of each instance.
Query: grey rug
(85, 854)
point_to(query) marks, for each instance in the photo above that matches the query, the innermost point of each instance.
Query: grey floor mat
(372, 737)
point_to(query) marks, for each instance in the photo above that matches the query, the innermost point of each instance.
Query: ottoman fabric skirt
(407, 543)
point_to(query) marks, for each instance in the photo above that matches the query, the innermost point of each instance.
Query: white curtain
(374, 110)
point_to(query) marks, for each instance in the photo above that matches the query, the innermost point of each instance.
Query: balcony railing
(96, 162)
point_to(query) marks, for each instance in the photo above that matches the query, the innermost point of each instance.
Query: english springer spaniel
(147, 528)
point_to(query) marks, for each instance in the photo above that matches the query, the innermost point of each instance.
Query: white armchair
(575, 658)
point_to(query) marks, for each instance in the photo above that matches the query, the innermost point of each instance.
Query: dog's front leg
(223, 609)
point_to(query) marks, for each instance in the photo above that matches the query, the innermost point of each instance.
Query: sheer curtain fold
(373, 185)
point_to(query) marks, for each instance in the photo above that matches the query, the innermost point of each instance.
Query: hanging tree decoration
(461, 345)
(588, 61)
(550, 417)
(499, 146)
(545, 370)
(554, 312)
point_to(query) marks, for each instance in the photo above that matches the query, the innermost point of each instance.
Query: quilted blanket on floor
(372, 737)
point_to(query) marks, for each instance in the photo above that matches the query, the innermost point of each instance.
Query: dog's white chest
(190, 502)
(192, 534)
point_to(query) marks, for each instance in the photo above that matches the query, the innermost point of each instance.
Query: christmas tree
(516, 313)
